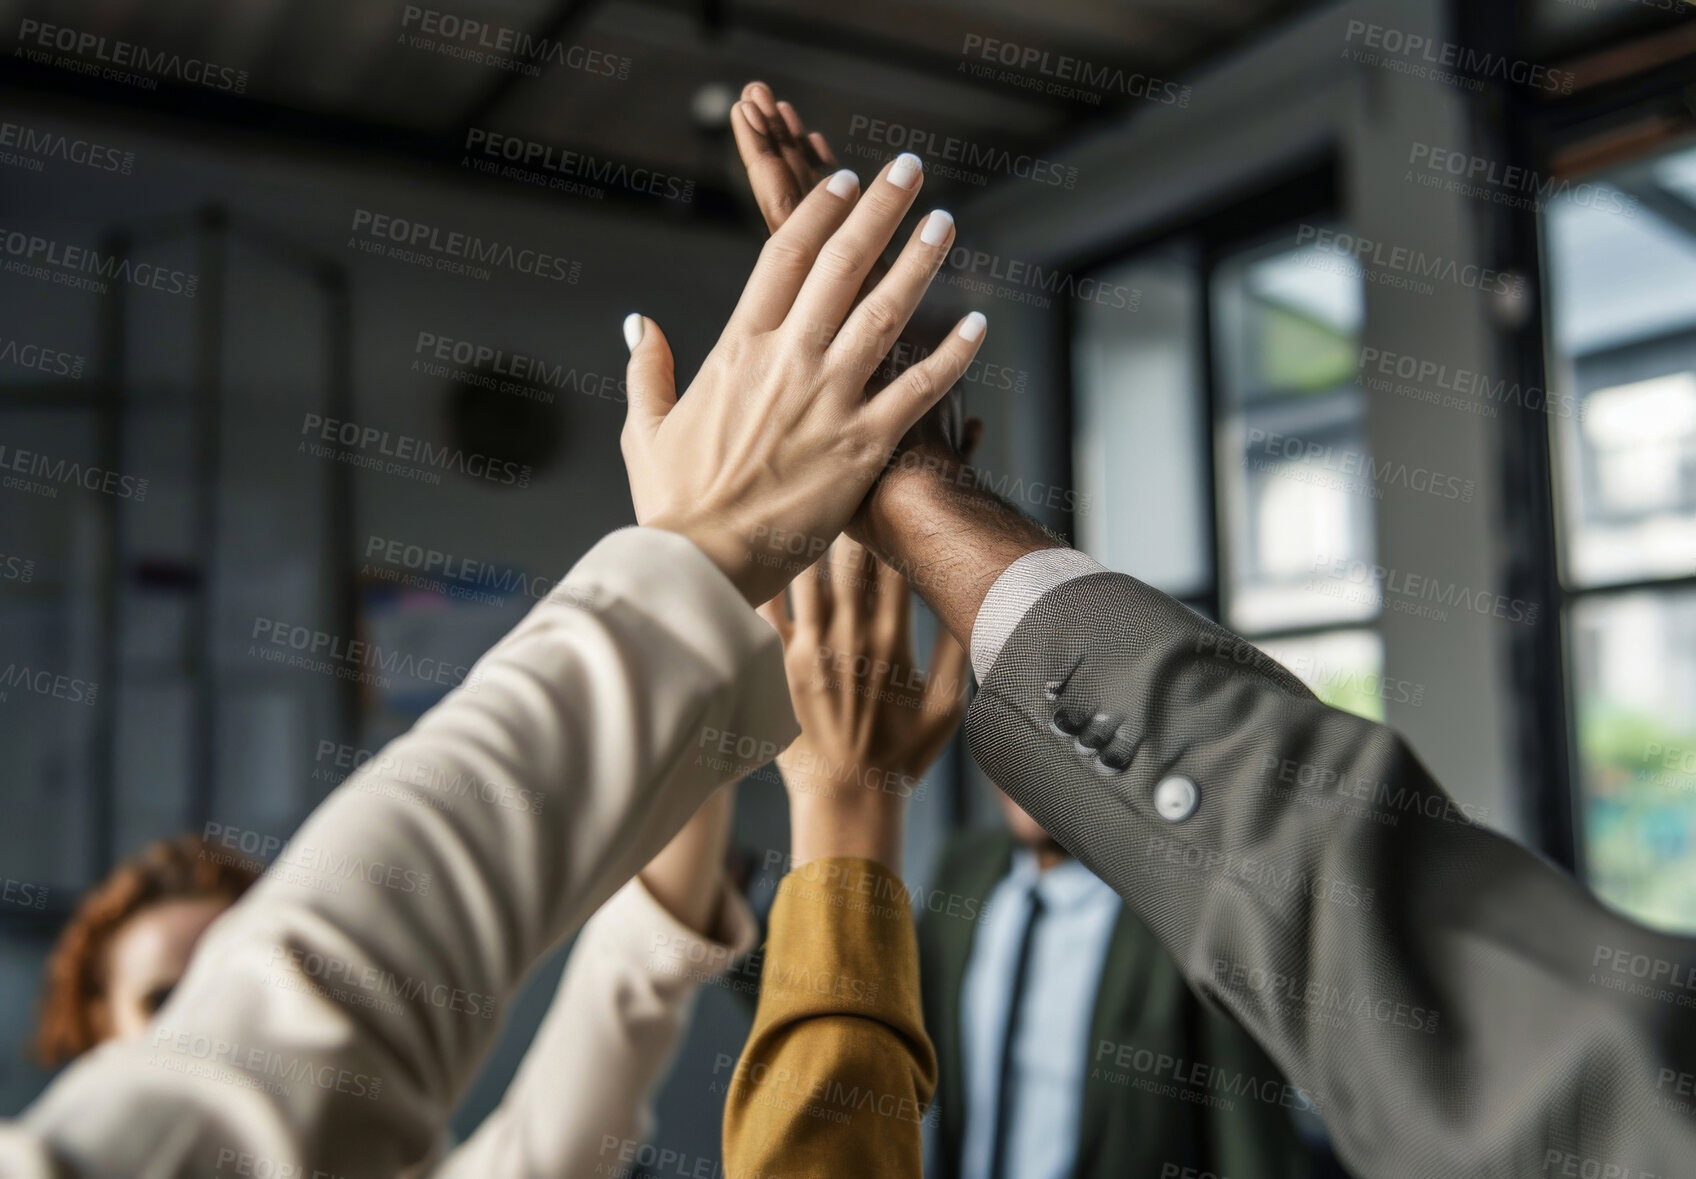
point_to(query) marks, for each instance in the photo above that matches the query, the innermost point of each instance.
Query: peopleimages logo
(16, 568)
(43, 360)
(46, 683)
(977, 161)
(1510, 184)
(1295, 457)
(1384, 583)
(109, 53)
(983, 273)
(572, 171)
(454, 252)
(504, 47)
(1387, 265)
(42, 145)
(1063, 75)
(453, 576)
(1421, 56)
(1446, 385)
(516, 373)
(68, 473)
(312, 643)
(34, 256)
(415, 456)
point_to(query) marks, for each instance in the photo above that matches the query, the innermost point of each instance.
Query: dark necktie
(1004, 1086)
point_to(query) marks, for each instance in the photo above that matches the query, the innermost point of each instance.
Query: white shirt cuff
(1015, 592)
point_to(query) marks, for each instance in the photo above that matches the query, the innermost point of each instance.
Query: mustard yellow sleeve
(837, 1072)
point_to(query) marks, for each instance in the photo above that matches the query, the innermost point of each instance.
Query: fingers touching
(773, 133)
(873, 327)
(906, 399)
(778, 188)
(844, 261)
(791, 253)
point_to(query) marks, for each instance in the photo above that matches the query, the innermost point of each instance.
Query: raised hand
(775, 440)
(784, 160)
(871, 722)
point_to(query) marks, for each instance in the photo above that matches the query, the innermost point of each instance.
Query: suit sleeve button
(1068, 719)
(1175, 799)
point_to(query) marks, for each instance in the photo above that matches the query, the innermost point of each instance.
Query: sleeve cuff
(636, 927)
(1018, 588)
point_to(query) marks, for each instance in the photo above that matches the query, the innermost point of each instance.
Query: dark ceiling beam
(274, 124)
(797, 30)
(1090, 118)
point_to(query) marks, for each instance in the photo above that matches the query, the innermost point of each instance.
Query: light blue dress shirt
(1051, 1043)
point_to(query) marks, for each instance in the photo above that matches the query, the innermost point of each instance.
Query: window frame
(1554, 133)
(1239, 221)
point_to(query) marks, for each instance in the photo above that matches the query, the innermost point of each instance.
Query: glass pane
(1622, 262)
(1296, 494)
(1634, 664)
(1345, 669)
(1140, 428)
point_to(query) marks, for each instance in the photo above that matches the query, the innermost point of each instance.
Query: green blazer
(1144, 1012)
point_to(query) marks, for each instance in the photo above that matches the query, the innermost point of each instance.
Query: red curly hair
(73, 993)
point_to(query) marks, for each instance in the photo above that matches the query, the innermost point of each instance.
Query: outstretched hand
(775, 443)
(871, 721)
(784, 160)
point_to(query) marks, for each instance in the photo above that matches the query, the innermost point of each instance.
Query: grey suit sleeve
(1451, 1003)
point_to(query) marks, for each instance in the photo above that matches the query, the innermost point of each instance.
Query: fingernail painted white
(906, 170)
(843, 184)
(937, 225)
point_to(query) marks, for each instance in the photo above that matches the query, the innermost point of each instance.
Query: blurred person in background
(1032, 1005)
(129, 941)
(582, 1097)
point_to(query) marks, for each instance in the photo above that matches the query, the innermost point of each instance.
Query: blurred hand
(784, 161)
(775, 443)
(871, 722)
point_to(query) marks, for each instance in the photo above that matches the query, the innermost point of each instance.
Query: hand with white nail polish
(771, 449)
(784, 160)
(927, 514)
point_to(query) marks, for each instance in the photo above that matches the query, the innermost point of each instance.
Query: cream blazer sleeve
(331, 1018)
(581, 1101)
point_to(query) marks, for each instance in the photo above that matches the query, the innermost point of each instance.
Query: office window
(1621, 253)
(1140, 428)
(1295, 510)
(1245, 500)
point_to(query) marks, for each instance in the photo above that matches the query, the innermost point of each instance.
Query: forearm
(452, 860)
(1413, 973)
(928, 519)
(581, 1103)
(687, 877)
(836, 820)
(834, 1079)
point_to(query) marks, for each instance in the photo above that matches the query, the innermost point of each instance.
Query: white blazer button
(1175, 798)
